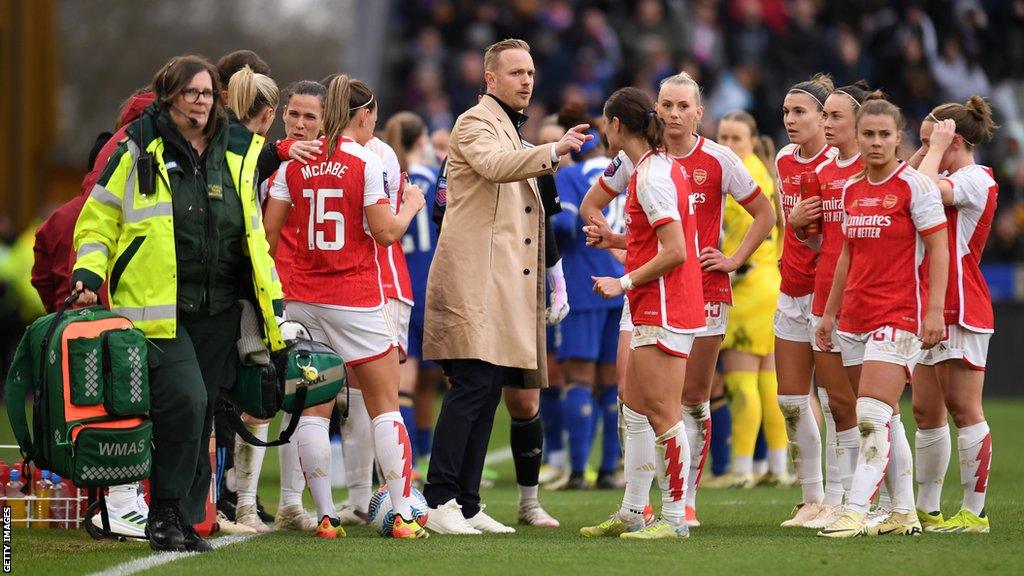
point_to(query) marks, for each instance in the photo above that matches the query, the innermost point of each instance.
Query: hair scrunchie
(648, 116)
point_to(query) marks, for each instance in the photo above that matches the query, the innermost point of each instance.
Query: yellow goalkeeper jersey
(737, 221)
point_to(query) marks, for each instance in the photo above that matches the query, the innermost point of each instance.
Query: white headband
(364, 104)
(848, 95)
(820, 103)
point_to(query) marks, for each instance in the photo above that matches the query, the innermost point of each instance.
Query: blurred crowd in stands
(745, 53)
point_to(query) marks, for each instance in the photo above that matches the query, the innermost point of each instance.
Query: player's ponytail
(402, 131)
(345, 97)
(973, 119)
(635, 110)
(249, 94)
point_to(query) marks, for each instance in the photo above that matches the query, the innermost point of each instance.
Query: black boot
(164, 528)
(194, 542)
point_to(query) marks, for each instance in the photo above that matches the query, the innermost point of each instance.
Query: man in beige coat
(485, 318)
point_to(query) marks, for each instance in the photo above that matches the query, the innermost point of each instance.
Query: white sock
(122, 495)
(884, 494)
(527, 494)
(901, 467)
(249, 463)
(833, 476)
(314, 444)
(848, 447)
(975, 443)
(761, 467)
(805, 444)
(743, 465)
(778, 462)
(932, 447)
(394, 455)
(873, 419)
(357, 446)
(697, 422)
(672, 466)
(638, 463)
(292, 481)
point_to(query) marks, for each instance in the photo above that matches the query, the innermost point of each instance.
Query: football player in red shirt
(952, 374)
(713, 171)
(662, 281)
(838, 400)
(803, 113)
(338, 294)
(892, 218)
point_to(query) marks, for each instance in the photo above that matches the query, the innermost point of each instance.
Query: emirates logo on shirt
(700, 175)
(889, 201)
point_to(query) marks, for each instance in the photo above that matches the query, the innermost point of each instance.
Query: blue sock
(761, 447)
(422, 441)
(551, 415)
(408, 414)
(579, 423)
(721, 423)
(609, 411)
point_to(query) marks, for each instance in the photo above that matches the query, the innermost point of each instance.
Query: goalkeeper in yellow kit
(748, 350)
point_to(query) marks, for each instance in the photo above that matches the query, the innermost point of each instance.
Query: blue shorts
(590, 335)
(416, 336)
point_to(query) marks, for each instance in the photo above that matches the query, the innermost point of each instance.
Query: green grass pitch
(740, 535)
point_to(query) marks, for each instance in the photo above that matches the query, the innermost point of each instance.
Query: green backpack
(89, 372)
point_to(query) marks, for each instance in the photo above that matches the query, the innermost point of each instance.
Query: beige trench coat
(485, 291)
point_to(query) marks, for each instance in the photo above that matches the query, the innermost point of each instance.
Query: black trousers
(463, 430)
(185, 379)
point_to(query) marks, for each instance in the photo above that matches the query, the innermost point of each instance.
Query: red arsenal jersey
(832, 174)
(334, 260)
(715, 171)
(657, 195)
(798, 260)
(884, 223)
(968, 302)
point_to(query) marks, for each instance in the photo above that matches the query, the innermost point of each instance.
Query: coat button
(529, 209)
(528, 241)
(526, 272)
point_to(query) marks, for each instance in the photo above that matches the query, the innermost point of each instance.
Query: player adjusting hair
(973, 119)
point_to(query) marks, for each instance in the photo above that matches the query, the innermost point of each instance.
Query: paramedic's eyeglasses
(192, 95)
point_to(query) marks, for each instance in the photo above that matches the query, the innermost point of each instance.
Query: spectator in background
(1006, 243)
(748, 42)
(957, 73)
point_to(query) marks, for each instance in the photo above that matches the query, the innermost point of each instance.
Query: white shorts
(626, 322)
(716, 316)
(815, 321)
(793, 319)
(358, 336)
(401, 315)
(674, 343)
(886, 344)
(960, 344)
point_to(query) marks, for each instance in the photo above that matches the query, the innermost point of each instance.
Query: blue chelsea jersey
(420, 238)
(579, 261)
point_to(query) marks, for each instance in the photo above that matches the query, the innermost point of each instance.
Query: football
(381, 515)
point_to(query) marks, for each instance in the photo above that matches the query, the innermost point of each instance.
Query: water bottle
(41, 506)
(60, 510)
(810, 186)
(16, 500)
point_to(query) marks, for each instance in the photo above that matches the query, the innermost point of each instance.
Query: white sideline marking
(154, 560)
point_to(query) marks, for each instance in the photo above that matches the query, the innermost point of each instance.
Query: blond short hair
(495, 50)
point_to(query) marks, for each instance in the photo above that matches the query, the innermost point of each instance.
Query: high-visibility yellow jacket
(128, 238)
